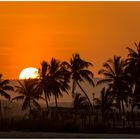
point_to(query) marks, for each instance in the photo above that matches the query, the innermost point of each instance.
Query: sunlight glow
(29, 73)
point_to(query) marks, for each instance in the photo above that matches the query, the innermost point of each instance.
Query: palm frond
(103, 81)
(6, 95)
(18, 98)
(108, 67)
(36, 104)
(8, 88)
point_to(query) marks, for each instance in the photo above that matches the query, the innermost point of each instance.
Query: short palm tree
(107, 104)
(80, 102)
(4, 87)
(78, 69)
(28, 94)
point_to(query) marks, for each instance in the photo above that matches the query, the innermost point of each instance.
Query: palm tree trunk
(133, 117)
(1, 111)
(30, 109)
(123, 112)
(46, 101)
(114, 115)
(56, 113)
(85, 95)
(120, 111)
(56, 102)
(73, 89)
(103, 112)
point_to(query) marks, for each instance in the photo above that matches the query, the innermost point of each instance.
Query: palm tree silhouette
(114, 73)
(80, 102)
(41, 87)
(133, 70)
(57, 79)
(28, 94)
(4, 87)
(78, 69)
(106, 103)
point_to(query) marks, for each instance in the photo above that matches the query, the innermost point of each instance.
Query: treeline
(122, 77)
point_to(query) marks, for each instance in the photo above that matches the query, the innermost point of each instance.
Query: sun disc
(29, 73)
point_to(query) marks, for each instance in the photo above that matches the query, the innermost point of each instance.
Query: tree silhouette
(107, 104)
(57, 79)
(80, 103)
(78, 69)
(41, 87)
(133, 70)
(4, 87)
(28, 94)
(114, 73)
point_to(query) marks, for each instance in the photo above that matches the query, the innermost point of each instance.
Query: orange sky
(34, 31)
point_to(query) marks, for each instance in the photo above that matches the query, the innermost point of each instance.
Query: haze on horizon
(34, 31)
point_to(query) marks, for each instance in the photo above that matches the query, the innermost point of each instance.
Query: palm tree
(57, 79)
(107, 104)
(133, 70)
(78, 69)
(41, 87)
(28, 94)
(80, 102)
(4, 87)
(114, 73)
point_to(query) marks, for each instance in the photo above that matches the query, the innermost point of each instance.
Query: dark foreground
(20, 134)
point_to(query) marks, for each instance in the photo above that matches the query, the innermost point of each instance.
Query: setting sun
(28, 73)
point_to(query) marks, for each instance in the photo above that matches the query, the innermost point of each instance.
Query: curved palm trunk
(85, 95)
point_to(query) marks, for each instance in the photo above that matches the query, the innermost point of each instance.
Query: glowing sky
(34, 31)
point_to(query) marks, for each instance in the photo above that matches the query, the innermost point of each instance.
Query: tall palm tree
(78, 69)
(133, 69)
(28, 94)
(41, 87)
(114, 73)
(57, 79)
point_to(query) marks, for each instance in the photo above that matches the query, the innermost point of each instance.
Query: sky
(31, 32)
